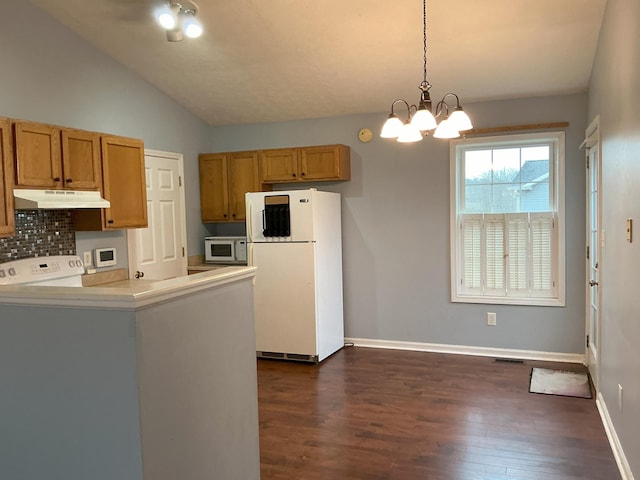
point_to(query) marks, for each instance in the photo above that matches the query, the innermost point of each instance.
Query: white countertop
(125, 294)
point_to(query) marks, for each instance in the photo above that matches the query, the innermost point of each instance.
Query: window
(507, 219)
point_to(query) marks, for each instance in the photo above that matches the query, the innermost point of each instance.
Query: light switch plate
(87, 259)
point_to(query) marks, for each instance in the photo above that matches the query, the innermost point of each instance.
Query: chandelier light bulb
(392, 128)
(409, 134)
(460, 120)
(424, 120)
(446, 130)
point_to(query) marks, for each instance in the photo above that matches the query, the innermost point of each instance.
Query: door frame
(593, 356)
(131, 237)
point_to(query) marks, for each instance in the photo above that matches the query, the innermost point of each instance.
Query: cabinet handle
(57, 179)
(69, 180)
(225, 215)
(293, 174)
(110, 222)
(233, 215)
(303, 174)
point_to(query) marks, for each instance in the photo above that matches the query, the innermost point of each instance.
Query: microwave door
(221, 251)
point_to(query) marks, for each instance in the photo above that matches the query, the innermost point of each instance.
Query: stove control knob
(12, 272)
(2, 274)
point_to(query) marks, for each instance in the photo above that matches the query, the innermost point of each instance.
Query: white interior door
(593, 253)
(158, 251)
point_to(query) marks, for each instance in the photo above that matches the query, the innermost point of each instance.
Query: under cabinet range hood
(26, 199)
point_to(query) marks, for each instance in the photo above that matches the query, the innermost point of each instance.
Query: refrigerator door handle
(249, 222)
(250, 261)
(264, 221)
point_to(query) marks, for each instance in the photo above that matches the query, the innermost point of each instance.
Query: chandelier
(420, 120)
(179, 20)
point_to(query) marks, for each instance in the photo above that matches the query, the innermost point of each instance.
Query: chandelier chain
(424, 38)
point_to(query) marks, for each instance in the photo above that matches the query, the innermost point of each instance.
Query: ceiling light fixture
(179, 20)
(420, 119)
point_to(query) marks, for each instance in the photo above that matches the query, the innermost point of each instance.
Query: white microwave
(231, 250)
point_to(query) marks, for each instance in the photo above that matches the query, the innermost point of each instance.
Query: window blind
(508, 254)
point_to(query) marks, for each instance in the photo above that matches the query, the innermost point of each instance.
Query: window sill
(533, 302)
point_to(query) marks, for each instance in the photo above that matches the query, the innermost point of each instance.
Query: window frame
(556, 141)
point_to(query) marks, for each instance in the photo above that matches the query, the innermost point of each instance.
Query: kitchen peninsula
(136, 379)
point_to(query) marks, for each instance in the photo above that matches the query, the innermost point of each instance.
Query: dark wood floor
(387, 414)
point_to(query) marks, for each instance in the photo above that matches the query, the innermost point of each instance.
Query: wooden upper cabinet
(81, 163)
(38, 155)
(331, 162)
(214, 197)
(7, 219)
(279, 165)
(243, 178)
(52, 157)
(224, 180)
(305, 164)
(124, 182)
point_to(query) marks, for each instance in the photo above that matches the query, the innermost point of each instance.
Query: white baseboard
(466, 350)
(618, 453)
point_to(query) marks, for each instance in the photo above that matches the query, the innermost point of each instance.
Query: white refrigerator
(294, 238)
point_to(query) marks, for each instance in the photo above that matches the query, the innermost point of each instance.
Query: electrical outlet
(86, 258)
(620, 397)
(491, 319)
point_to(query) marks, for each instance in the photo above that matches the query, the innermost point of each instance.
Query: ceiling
(279, 60)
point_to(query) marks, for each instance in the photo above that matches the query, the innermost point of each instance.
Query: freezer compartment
(280, 216)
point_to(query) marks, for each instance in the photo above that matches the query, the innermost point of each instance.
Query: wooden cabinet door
(279, 165)
(214, 195)
(324, 163)
(7, 219)
(243, 178)
(81, 163)
(124, 182)
(38, 162)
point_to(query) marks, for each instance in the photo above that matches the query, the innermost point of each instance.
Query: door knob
(139, 274)
(593, 283)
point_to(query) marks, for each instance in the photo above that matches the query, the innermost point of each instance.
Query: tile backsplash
(39, 233)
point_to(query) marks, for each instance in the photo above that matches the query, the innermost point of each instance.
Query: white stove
(57, 270)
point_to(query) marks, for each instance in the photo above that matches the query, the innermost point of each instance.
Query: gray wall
(396, 230)
(50, 75)
(614, 95)
(69, 397)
